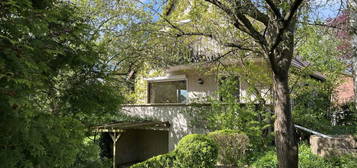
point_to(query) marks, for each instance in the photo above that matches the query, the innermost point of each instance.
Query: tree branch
(194, 34)
(251, 10)
(241, 22)
(291, 13)
(234, 45)
(224, 55)
(287, 20)
(274, 9)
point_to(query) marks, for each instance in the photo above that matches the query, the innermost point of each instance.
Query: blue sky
(323, 9)
(327, 8)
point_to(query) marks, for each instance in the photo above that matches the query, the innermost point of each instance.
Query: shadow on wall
(139, 145)
(179, 116)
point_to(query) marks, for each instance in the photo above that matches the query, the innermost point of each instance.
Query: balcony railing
(178, 115)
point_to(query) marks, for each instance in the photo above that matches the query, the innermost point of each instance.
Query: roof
(296, 62)
(166, 78)
(300, 64)
(123, 126)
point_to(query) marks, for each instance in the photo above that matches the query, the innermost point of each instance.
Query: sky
(323, 9)
(326, 9)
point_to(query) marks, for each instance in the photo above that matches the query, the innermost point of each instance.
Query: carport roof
(123, 126)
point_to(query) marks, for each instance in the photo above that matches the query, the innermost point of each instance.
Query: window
(167, 92)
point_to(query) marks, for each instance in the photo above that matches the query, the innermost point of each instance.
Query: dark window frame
(149, 91)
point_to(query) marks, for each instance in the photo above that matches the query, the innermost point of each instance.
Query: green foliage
(193, 150)
(161, 161)
(232, 145)
(346, 115)
(105, 143)
(311, 103)
(197, 151)
(346, 161)
(250, 118)
(309, 160)
(130, 37)
(312, 99)
(306, 160)
(268, 160)
(88, 157)
(53, 85)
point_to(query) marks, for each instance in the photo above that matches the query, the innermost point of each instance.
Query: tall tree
(53, 85)
(270, 25)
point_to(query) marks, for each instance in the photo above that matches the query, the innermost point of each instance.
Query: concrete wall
(198, 92)
(177, 115)
(195, 90)
(339, 145)
(246, 97)
(139, 145)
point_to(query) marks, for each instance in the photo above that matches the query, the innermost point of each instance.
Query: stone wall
(339, 145)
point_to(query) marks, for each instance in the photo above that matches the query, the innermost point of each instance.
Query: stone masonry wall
(340, 145)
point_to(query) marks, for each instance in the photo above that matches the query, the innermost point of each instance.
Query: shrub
(232, 145)
(268, 160)
(347, 161)
(307, 160)
(161, 161)
(196, 151)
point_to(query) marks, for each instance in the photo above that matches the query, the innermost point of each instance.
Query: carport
(136, 141)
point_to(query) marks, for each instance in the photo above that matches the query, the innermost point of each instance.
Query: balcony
(180, 117)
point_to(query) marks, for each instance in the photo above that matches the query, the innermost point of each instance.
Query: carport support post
(115, 138)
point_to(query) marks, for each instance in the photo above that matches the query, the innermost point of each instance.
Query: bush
(161, 161)
(307, 160)
(196, 151)
(268, 160)
(232, 145)
(347, 161)
(88, 157)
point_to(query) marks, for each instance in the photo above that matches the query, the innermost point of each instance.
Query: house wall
(198, 91)
(139, 145)
(344, 93)
(179, 116)
(246, 97)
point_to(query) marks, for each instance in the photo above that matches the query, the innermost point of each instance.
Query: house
(344, 93)
(169, 99)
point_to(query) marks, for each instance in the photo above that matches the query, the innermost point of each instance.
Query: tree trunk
(286, 145)
(280, 60)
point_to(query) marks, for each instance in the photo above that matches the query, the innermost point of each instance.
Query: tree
(53, 85)
(128, 36)
(271, 27)
(313, 99)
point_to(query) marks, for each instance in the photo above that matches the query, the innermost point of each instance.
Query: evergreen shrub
(232, 145)
(196, 151)
(193, 151)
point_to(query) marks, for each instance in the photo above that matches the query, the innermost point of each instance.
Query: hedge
(232, 145)
(196, 151)
(161, 161)
(193, 151)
